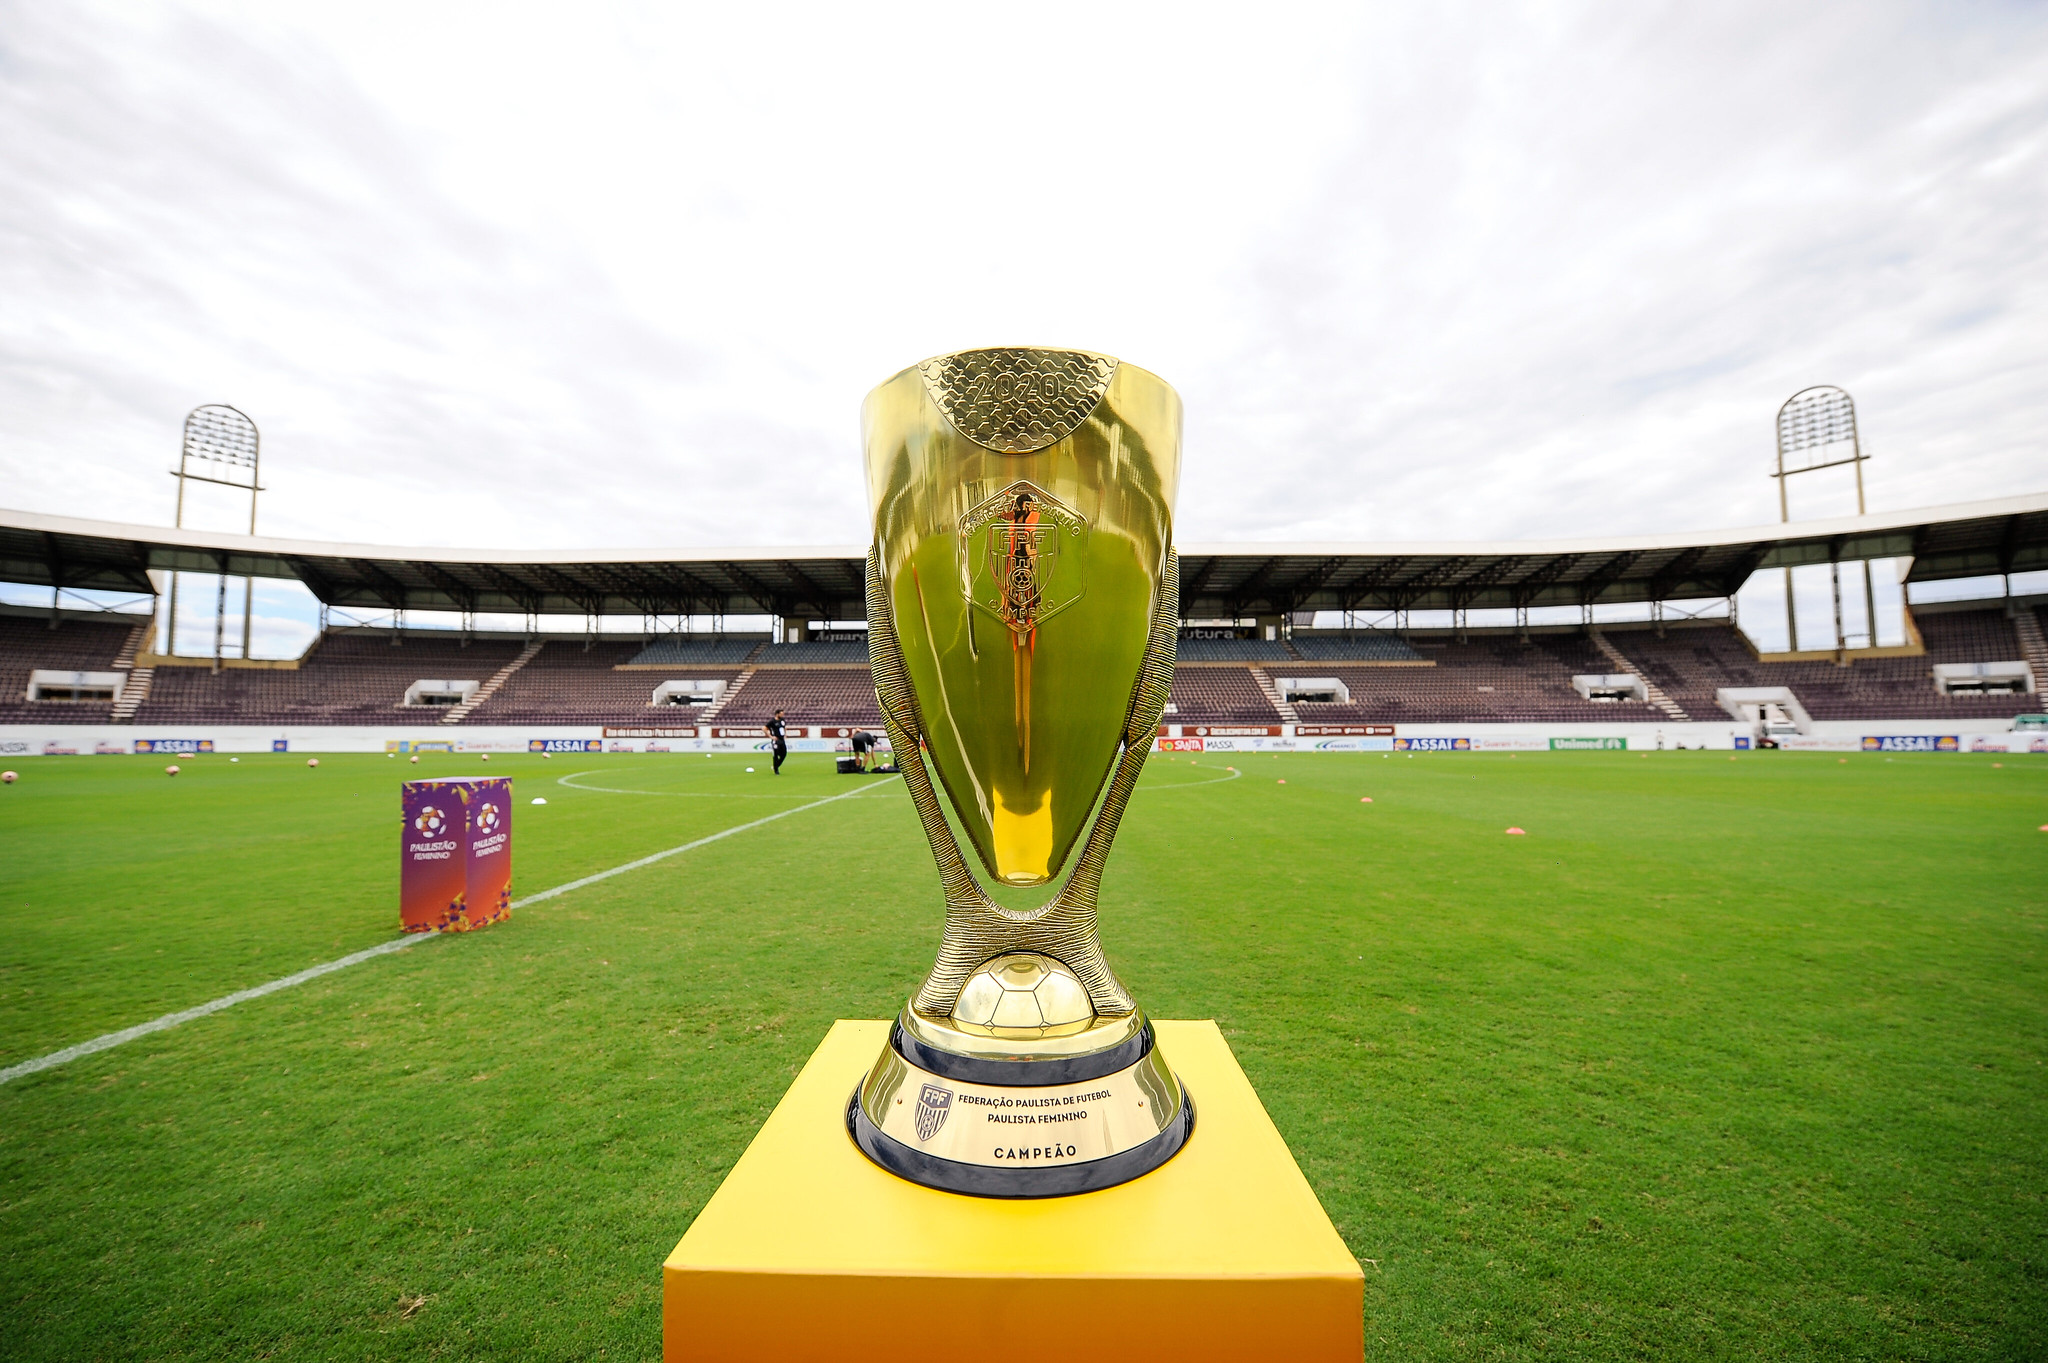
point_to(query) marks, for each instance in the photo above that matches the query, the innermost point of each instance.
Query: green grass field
(1725, 1059)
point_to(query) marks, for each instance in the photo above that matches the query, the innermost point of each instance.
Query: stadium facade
(1255, 674)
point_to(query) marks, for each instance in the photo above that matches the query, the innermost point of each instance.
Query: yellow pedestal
(808, 1251)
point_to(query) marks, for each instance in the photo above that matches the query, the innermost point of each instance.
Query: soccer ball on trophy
(1024, 995)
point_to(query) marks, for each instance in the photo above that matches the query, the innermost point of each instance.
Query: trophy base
(966, 1113)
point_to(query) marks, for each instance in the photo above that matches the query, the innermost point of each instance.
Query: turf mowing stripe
(686, 847)
(170, 1020)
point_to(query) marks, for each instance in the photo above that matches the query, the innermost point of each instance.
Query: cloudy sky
(621, 275)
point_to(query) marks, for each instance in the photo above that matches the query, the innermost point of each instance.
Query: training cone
(540, 800)
(1517, 832)
(171, 770)
(312, 761)
(1365, 799)
(1283, 780)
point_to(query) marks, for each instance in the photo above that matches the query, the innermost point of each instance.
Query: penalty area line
(170, 1020)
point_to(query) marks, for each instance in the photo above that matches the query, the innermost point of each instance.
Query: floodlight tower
(1815, 426)
(228, 446)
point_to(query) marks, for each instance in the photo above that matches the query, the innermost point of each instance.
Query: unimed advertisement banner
(455, 854)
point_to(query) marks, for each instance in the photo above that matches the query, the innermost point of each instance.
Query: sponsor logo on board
(688, 731)
(1432, 745)
(1588, 744)
(1343, 730)
(148, 745)
(1233, 730)
(1180, 745)
(565, 745)
(1911, 743)
(280, 745)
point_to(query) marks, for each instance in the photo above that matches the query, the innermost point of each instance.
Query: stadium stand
(1234, 651)
(360, 676)
(1218, 695)
(1375, 646)
(815, 651)
(685, 651)
(1487, 679)
(28, 643)
(1692, 663)
(357, 677)
(808, 695)
(569, 682)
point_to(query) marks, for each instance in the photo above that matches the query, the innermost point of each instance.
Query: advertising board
(1432, 745)
(1910, 743)
(1588, 744)
(565, 745)
(455, 853)
(1343, 731)
(159, 745)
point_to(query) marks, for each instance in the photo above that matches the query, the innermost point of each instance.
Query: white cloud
(489, 275)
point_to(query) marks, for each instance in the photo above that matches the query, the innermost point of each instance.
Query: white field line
(1208, 781)
(170, 1020)
(686, 847)
(572, 783)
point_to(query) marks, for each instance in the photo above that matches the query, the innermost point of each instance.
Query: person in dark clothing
(863, 748)
(781, 746)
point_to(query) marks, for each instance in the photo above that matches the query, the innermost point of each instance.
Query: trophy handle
(977, 928)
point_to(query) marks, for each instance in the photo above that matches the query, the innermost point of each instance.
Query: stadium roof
(1969, 539)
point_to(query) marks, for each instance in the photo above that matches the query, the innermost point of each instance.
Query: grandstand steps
(135, 689)
(713, 710)
(1656, 693)
(2034, 647)
(457, 713)
(1280, 703)
(137, 637)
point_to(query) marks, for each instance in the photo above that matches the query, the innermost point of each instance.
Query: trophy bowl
(1022, 607)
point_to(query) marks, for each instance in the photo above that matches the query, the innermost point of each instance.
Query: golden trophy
(1023, 601)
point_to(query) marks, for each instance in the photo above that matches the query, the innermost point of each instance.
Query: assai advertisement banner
(1588, 745)
(149, 745)
(455, 853)
(1432, 745)
(565, 745)
(1910, 743)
